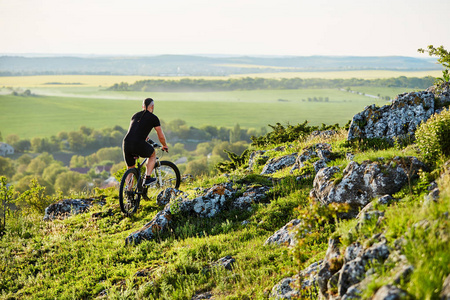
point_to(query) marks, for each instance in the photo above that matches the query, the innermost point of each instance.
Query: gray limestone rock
(389, 292)
(397, 120)
(286, 235)
(360, 183)
(250, 196)
(445, 292)
(279, 163)
(66, 208)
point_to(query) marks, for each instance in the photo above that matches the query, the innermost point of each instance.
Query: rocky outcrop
(278, 163)
(360, 183)
(207, 205)
(68, 207)
(399, 119)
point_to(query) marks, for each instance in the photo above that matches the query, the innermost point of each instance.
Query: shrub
(433, 136)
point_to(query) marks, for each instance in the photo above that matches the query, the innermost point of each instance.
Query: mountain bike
(131, 189)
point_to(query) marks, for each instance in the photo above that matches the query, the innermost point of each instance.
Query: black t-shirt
(140, 126)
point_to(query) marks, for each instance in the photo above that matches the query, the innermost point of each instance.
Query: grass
(84, 258)
(47, 115)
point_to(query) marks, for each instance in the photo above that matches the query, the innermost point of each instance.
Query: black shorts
(135, 149)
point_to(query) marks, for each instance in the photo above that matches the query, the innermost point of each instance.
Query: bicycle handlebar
(156, 145)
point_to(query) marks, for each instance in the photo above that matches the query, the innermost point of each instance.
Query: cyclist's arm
(161, 137)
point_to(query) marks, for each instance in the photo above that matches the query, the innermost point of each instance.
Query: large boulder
(397, 120)
(360, 183)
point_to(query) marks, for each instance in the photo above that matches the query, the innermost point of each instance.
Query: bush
(433, 136)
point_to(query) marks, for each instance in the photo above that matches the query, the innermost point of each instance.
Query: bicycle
(131, 189)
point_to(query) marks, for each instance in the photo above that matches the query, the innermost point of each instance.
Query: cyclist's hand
(165, 148)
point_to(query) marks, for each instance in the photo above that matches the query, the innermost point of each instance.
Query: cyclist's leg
(150, 164)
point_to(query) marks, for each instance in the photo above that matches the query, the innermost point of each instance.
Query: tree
(6, 167)
(6, 195)
(235, 134)
(70, 181)
(12, 139)
(35, 198)
(443, 58)
(76, 141)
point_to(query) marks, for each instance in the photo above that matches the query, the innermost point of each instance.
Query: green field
(86, 102)
(47, 115)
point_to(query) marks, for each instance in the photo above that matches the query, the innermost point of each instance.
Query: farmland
(67, 102)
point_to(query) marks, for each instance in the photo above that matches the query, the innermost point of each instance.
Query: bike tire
(170, 175)
(129, 196)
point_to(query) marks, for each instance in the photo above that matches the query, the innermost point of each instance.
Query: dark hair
(147, 102)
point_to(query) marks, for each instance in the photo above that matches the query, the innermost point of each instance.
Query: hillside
(185, 65)
(302, 213)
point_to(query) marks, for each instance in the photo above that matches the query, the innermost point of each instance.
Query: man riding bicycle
(135, 141)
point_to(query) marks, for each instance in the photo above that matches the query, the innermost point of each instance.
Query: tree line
(248, 83)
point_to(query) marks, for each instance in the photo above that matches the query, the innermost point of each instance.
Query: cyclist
(135, 141)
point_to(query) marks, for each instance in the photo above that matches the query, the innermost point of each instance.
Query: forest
(248, 83)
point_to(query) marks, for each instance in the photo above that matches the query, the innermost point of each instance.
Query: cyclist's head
(147, 102)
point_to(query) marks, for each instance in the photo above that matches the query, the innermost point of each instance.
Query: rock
(206, 295)
(330, 266)
(445, 293)
(403, 273)
(285, 236)
(346, 277)
(325, 134)
(319, 165)
(385, 200)
(362, 182)
(252, 195)
(377, 252)
(352, 252)
(291, 287)
(352, 273)
(320, 150)
(389, 292)
(398, 120)
(285, 289)
(156, 226)
(226, 262)
(207, 205)
(433, 196)
(66, 208)
(165, 196)
(279, 163)
(349, 156)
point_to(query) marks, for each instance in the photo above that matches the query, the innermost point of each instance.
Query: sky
(229, 27)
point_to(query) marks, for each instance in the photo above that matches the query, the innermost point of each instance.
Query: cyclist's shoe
(148, 181)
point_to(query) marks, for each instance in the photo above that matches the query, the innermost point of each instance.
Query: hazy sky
(242, 27)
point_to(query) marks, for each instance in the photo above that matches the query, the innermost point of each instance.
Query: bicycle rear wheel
(170, 175)
(129, 195)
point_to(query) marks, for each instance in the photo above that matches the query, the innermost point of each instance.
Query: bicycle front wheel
(167, 175)
(129, 195)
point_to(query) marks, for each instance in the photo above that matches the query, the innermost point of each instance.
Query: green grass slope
(85, 256)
